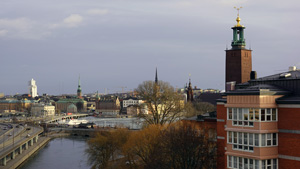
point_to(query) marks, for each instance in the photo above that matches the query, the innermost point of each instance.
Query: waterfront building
(32, 88)
(108, 104)
(40, 109)
(12, 105)
(258, 119)
(63, 104)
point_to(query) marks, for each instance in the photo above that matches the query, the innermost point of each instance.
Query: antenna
(238, 9)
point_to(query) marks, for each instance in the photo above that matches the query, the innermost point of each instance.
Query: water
(68, 152)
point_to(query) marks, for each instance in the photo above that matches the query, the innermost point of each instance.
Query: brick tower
(238, 58)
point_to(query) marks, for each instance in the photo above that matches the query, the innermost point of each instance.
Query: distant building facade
(40, 109)
(131, 101)
(15, 105)
(63, 104)
(108, 104)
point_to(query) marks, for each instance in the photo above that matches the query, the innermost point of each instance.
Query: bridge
(15, 141)
(67, 117)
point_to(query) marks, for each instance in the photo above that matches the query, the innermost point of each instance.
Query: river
(69, 152)
(60, 153)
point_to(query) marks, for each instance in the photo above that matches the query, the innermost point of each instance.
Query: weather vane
(238, 9)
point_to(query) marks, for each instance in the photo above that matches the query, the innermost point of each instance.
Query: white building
(42, 110)
(32, 88)
(131, 101)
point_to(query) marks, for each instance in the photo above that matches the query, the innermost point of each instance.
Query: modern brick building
(258, 121)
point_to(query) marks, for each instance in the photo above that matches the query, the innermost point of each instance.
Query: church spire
(156, 78)
(79, 88)
(189, 92)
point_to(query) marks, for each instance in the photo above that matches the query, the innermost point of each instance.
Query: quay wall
(26, 154)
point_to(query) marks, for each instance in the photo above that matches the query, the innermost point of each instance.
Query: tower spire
(79, 88)
(190, 80)
(238, 41)
(189, 92)
(156, 78)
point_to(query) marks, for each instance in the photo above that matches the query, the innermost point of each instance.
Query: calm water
(60, 153)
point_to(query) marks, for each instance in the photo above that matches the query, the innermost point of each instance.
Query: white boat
(72, 122)
(76, 122)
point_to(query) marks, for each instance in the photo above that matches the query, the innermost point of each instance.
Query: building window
(269, 139)
(229, 161)
(247, 141)
(230, 114)
(248, 163)
(246, 116)
(234, 162)
(256, 140)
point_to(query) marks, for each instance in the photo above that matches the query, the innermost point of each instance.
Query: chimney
(253, 75)
(292, 68)
(230, 86)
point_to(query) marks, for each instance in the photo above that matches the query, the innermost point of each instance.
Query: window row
(246, 163)
(246, 116)
(246, 141)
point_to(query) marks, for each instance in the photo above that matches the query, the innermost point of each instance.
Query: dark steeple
(156, 79)
(79, 89)
(189, 92)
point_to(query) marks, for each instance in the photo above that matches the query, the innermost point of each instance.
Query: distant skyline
(115, 44)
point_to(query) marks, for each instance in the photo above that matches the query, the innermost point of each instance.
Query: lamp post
(3, 141)
(13, 136)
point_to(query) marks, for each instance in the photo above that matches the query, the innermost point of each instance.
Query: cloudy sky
(115, 43)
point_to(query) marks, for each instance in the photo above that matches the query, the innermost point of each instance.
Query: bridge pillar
(26, 145)
(13, 154)
(20, 149)
(34, 139)
(31, 142)
(4, 161)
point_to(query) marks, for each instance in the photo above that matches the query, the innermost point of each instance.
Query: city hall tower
(238, 58)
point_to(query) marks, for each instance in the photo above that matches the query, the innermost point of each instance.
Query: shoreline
(21, 159)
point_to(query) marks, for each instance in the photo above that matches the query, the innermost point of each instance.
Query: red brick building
(258, 121)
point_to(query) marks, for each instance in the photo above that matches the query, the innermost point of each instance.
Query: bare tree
(163, 103)
(104, 149)
(187, 148)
